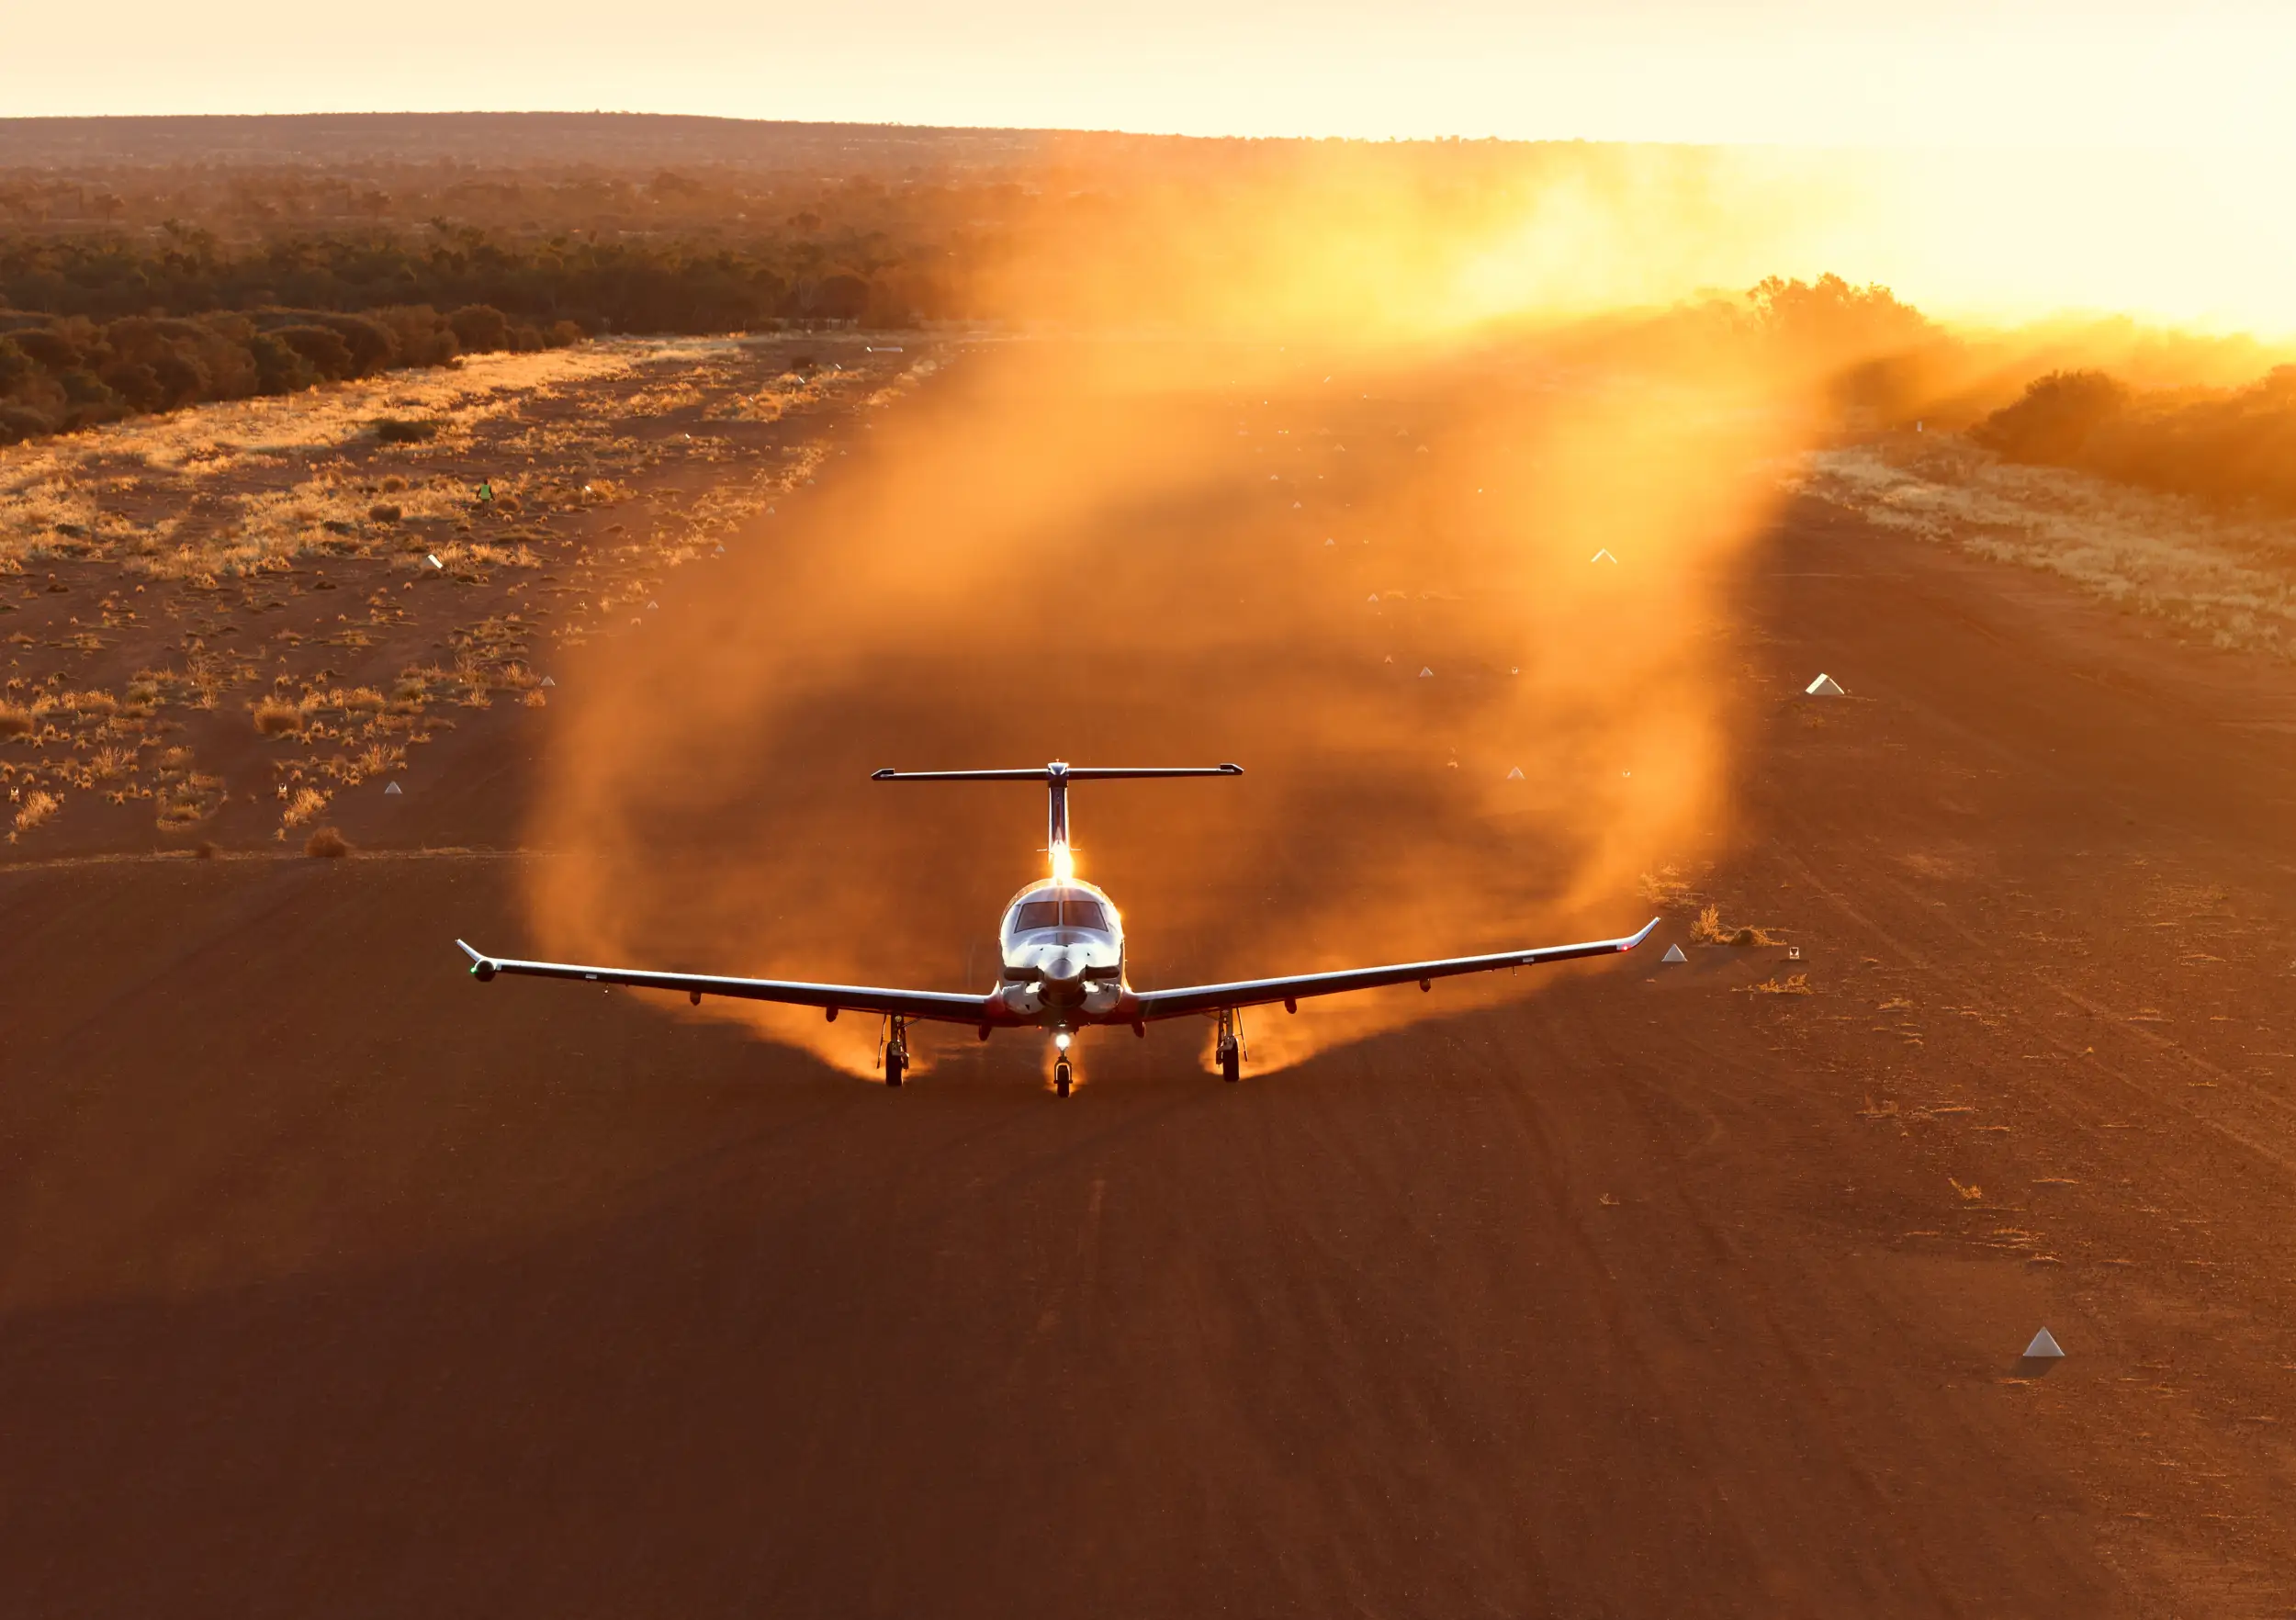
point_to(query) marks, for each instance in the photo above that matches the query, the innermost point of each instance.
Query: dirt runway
(336, 1284)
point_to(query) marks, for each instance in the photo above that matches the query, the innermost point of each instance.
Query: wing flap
(1201, 998)
(860, 998)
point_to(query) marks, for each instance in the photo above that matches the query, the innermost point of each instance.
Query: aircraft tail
(1056, 776)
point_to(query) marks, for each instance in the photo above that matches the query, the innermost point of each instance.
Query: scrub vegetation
(228, 617)
(2233, 448)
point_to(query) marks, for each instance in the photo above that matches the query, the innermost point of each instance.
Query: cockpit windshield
(1071, 911)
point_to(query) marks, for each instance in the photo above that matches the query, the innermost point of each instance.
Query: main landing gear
(1229, 1047)
(896, 1053)
(1062, 1077)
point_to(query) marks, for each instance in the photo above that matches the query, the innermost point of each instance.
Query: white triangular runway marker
(2044, 1347)
(1824, 686)
(547, 681)
(1515, 774)
(1330, 542)
(1673, 953)
(1373, 597)
(652, 606)
(393, 788)
(1604, 556)
(1424, 673)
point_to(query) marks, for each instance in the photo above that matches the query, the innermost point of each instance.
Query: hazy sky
(2025, 72)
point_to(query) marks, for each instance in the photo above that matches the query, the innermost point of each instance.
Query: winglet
(481, 968)
(1638, 939)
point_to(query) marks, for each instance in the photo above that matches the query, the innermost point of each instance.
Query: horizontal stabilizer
(1057, 773)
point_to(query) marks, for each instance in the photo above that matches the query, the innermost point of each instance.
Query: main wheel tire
(1062, 1076)
(1231, 1065)
(895, 1065)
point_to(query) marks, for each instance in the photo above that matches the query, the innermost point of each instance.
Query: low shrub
(275, 718)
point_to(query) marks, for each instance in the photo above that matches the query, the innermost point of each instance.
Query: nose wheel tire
(895, 1065)
(1062, 1077)
(1231, 1065)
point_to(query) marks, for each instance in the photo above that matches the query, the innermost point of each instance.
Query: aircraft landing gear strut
(1229, 1047)
(896, 1054)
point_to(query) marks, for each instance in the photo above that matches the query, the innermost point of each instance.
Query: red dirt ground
(335, 1284)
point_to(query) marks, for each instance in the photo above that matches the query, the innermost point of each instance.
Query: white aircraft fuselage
(1062, 944)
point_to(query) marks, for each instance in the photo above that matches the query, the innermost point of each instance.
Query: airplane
(1063, 948)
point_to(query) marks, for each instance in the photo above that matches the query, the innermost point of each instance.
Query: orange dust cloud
(1266, 469)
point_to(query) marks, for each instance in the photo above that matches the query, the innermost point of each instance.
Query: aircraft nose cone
(1064, 969)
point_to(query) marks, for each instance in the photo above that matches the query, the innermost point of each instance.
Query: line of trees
(58, 376)
(93, 329)
(651, 285)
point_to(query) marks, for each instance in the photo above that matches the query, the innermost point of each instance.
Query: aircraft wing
(835, 998)
(1204, 998)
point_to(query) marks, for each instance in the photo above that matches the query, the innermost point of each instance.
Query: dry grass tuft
(276, 717)
(14, 721)
(1795, 985)
(1969, 1195)
(38, 806)
(326, 844)
(306, 804)
(1711, 930)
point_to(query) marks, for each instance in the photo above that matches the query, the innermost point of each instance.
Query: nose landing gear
(896, 1052)
(1062, 1077)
